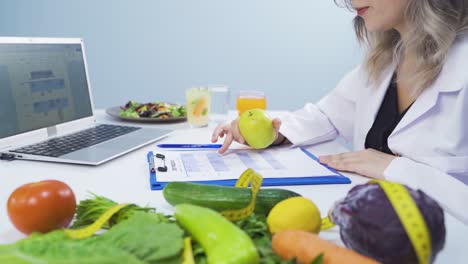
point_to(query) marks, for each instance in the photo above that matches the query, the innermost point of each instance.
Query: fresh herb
(198, 253)
(318, 259)
(256, 227)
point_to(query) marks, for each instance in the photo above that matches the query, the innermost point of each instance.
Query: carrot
(305, 247)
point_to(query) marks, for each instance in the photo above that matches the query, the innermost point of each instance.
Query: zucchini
(220, 198)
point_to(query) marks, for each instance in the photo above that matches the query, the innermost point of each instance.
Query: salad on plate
(161, 110)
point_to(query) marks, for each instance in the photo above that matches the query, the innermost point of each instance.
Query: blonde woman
(405, 109)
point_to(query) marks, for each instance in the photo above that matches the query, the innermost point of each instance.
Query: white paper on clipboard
(207, 165)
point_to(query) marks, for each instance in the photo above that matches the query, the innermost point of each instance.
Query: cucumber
(220, 198)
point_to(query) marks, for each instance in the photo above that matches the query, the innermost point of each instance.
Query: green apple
(257, 128)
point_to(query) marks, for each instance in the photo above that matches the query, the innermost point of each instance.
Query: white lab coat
(432, 137)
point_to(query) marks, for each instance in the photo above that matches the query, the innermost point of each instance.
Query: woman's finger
(236, 132)
(340, 157)
(342, 166)
(276, 124)
(227, 142)
(328, 158)
(218, 132)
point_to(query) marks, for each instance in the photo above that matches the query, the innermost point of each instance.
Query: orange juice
(250, 101)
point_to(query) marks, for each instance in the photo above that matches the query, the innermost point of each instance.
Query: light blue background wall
(293, 50)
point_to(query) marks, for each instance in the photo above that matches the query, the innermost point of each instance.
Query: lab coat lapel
(425, 102)
(452, 78)
(449, 80)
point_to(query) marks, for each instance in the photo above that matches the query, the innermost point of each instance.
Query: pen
(202, 146)
(150, 157)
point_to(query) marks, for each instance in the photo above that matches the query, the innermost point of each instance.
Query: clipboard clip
(152, 164)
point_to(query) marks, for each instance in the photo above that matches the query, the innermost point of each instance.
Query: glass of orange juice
(250, 100)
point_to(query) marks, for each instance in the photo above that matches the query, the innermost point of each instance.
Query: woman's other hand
(232, 133)
(370, 163)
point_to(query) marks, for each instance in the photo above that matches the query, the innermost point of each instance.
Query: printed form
(208, 165)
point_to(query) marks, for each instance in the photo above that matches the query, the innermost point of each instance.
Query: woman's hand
(370, 163)
(232, 133)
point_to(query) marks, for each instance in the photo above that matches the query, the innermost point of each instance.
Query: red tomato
(41, 206)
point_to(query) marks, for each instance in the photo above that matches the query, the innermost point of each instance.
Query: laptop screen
(41, 85)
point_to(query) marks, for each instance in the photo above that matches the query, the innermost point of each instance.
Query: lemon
(296, 213)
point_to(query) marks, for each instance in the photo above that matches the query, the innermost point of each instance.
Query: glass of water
(219, 103)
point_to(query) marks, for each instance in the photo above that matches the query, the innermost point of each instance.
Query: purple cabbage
(369, 224)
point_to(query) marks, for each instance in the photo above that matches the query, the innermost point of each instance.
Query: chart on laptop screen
(41, 85)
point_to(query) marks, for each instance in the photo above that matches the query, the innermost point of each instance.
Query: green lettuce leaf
(56, 247)
(142, 238)
(129, 113)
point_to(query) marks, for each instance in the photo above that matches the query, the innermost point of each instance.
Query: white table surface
(126, 179)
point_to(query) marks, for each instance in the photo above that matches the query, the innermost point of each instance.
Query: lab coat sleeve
(448, 191)
(332, 116)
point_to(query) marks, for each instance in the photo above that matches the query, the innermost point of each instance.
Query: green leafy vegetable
(55, 247)
(142, 238)
(135, 235)
(318, 260)
(132, 104)
(89, 210)
(178, 111)
(152, 241)
(129, 113)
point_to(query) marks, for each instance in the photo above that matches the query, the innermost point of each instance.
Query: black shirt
(386, 120)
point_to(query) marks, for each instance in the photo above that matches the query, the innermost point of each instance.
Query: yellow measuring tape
(410, 217)
(247, 177)
(326, 223)
(94, 227)
(187, 255)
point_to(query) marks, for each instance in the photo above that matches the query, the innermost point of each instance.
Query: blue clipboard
(335, 178)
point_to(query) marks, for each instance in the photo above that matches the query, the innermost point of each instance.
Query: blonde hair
(433, 26)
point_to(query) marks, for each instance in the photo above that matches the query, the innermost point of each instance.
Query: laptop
(46, 109)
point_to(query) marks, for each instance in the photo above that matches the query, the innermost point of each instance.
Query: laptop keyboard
(60, 146)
